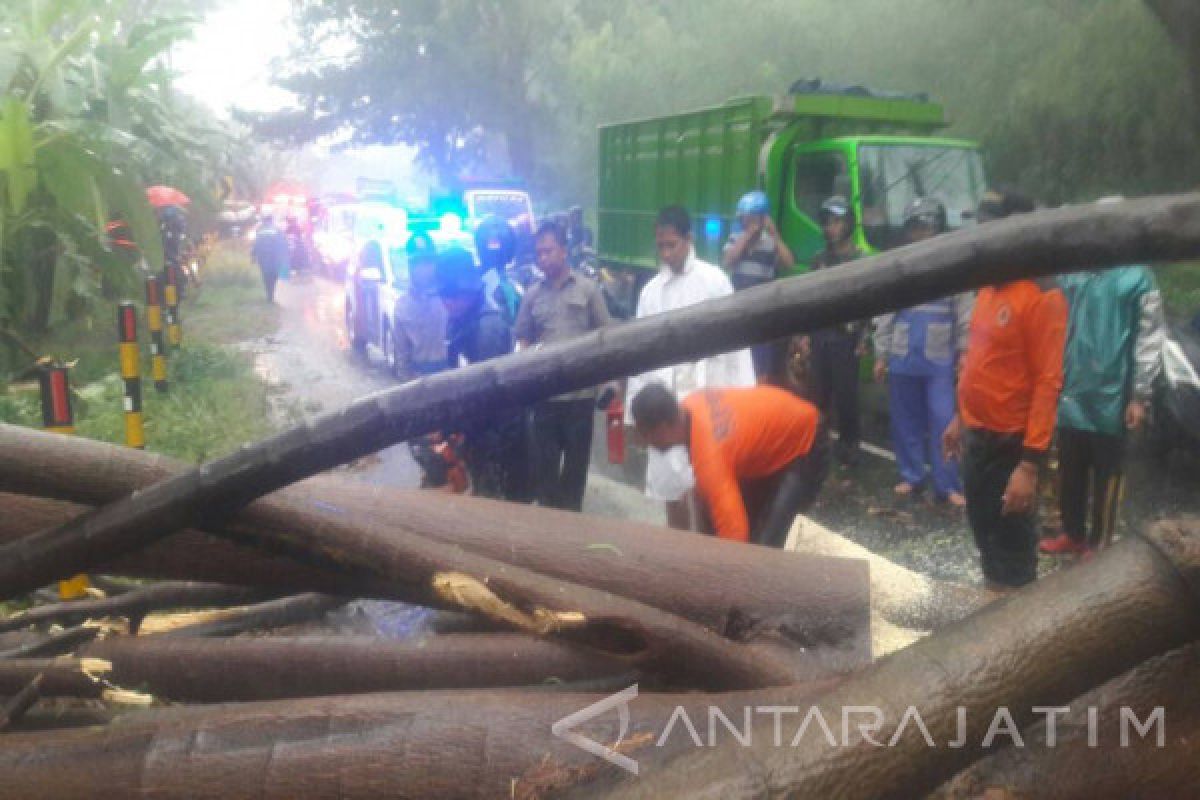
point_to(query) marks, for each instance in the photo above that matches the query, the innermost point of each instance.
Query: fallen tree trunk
(266, 616)
(14, 709)
(56, 643)
(645, 638)
(819, 604)
(1042, 646)
(1106, 758)
(1151, 229)
(195, 555)
(135, 604)
(64, 676)
(429, 745)
(269, 668)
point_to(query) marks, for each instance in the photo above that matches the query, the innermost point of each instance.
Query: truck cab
(879, 150)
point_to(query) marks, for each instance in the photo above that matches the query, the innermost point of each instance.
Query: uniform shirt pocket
(900, 339)
(939, 339)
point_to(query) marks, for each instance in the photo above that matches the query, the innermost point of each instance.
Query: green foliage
(1071, 98)
(1180, 284)
(216, 400)
(87, 121)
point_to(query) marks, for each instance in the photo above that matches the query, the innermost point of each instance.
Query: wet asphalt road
(311, 368)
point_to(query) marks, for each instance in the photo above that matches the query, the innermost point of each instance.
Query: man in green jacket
(1113, 355)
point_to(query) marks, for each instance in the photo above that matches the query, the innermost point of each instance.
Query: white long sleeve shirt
(668, 476)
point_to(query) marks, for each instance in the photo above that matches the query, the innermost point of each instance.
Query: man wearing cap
(835, 352)
(918, 350)
(1007, 403)
(419, 322)
(562, 306)
(755, 255)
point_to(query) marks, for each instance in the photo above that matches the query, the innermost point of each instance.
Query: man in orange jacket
(1007, 405)
(759, 454)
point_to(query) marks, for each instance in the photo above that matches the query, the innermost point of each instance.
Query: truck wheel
(358, 343)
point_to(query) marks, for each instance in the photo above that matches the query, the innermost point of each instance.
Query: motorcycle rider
(918, 349)
(496, 244)
(835, 352)
(494, 448)
(419, 330)
(755, 255)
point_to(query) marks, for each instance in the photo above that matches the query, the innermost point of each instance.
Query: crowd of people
(979, 386)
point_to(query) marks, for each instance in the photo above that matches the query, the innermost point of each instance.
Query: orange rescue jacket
(743, 434)
(1013, 372)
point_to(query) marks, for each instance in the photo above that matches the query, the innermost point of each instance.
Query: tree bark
(1151, 229)
(12, 711)
(817, 607)
(55, 644)
(1042, 646)
(270, 668)
(135, 604)
(272, 614)
(429, 745)
(1071, 768)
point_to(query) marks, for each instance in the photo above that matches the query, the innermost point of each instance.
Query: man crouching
(759, 454)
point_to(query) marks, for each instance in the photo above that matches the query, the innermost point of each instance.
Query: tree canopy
(1071, 98)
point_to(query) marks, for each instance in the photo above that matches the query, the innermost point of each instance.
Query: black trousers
(1090, 463)
(562, 449)
(497, 458)
(835, 365)
(1007, 542)
(773, 502)
(269, 276)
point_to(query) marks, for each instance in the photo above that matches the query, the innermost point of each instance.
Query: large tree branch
(1160, 228)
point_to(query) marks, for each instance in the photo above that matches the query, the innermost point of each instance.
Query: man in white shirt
(682, 281)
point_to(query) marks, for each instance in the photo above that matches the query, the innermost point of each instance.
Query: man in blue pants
(918, 349)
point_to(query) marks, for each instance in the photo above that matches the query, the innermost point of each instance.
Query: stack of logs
(556, 611)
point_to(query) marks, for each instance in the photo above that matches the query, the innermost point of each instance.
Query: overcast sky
(228, 63)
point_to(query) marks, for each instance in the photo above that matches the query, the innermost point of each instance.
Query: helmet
(456, 273)
(837, 206)
(1002, 202)
(495, 242)
(926, 211)
(420, 246)
(753, 203)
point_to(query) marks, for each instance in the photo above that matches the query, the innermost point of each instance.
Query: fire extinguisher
(614, 415)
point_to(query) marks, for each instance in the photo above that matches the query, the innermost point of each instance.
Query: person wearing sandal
(916, 351)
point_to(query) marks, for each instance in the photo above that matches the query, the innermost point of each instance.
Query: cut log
(1150, 229)
(1042, 646)
(819, 604)
(269, 668)
(135, 604)
(64, 641)
(266, 616)
(16, 706)
(1107, 768)
(430, 745)
(60, 677)
(194, 555)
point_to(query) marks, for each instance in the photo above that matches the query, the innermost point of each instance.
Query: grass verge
(216, 401)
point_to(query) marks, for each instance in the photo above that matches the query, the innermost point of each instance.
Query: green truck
(880, 151)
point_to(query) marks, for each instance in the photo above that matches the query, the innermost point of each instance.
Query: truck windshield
(890, 176)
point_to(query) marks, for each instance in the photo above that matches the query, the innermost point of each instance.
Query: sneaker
(1062, 545)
